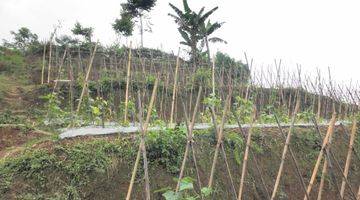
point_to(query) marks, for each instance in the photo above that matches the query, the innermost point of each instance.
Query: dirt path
(13, 95)
(13, 99)
(14, 139)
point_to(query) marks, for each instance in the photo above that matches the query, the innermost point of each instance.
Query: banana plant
(194, 27)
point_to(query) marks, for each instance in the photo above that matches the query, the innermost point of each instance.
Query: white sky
(313, 33)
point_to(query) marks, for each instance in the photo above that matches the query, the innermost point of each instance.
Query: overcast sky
(313, 33)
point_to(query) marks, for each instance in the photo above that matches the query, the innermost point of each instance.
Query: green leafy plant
(131, 109)
(186, 191)
(305, 116)
(100, 110)
(202, 76)
(235, 141)
(194, 27)
(267, 115)
(166, 147)
(243, 109)
(55, 115)
(7, 117)
(211, 101)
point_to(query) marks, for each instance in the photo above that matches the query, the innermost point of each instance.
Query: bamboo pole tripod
(217, 132)
(219, 140)
(190, 142)
(256, 163)
(286, 147)
(142, 147)
(329, 155)
(246, 155)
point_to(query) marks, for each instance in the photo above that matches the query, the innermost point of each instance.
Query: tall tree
(193, 27)
(132, 10)
(23, 39)
(66, 41)
(124, 25)
(86, 32)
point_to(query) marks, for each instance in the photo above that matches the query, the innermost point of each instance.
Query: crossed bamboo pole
(85, 84)
(297, 168)
(128, 72)
(142, 148)
(348, 157)
(59, 70)
(321, 154)
(43, 63)
(174, 88)
(254, 158)
(328, 152)
(353, 149)
(286, 147)
(246, 155)
(324, 171)
(190, 142)
(223, 153)
(219, 141)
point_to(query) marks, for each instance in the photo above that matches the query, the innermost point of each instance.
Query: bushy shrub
(167, 147)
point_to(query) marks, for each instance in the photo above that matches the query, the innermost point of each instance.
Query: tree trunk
(194, 52)
(207, 49)
(141, 32)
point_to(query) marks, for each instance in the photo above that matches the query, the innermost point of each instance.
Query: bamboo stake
(327, 154)
(297, 169)
(246, 155)
(255, 159)
(59, 71)
(71, 87)
(324, 172)
(287, 143)
(49, 66)
(321, 154)
(127, 84)
(353, 149)
(348, 157)
(213, 75)
(142, 143)
(143, 149)
(189, 138)
(224, 153)
(43, 65)
(322, 181)
(192, 144)
(358, 194)
(174, 88)
(219, 140)
(86, 79)
(80, 63)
